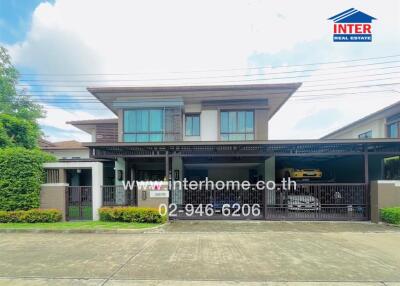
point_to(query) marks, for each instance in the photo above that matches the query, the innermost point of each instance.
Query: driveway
(208, 253)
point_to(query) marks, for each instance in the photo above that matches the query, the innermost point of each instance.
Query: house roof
(45, 143)
(63, 145)
(352, 16)
(382, 113)
(277, 94)
(89, 125)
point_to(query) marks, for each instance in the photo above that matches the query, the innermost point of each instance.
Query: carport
(342, 193)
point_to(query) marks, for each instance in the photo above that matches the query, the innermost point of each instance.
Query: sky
(60, 47)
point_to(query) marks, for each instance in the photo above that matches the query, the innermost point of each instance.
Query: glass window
(365, 135)
(237, 125)
(393, 130)
(192, 125)
(143, 125)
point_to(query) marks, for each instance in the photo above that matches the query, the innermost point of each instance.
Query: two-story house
(219, 133)
(384, 123)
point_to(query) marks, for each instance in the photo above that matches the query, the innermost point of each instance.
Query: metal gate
(217, 204)
(304, 202)
(79, 203)
(318, 202)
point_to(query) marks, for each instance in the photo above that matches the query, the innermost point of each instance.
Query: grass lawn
(83, 225)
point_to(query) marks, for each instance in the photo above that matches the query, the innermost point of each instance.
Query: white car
(303, 202)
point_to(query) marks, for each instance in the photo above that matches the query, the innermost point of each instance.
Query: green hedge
(31, 216)
(21, 174)
(131, 214)
(391, 215)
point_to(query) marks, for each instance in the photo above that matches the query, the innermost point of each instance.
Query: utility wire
(304, 81)
(217, 70)
(299, 91)
(210, 77)
(277, 94)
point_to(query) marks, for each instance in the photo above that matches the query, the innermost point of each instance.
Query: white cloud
(96, 36)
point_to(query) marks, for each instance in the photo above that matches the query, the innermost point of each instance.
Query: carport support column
(97, 182)
(366, 169)
(177, 175)
(269, 195)
(166, 165)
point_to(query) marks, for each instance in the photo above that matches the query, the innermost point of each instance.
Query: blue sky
(150, 45)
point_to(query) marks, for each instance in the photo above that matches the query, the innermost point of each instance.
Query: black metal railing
(119, 196)
(79, 202)
(318, 202)
(305, 202)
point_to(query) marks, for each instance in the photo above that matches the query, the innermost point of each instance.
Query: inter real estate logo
(352, 26)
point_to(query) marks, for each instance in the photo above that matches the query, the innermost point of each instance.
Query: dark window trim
(192, 115)
(388, 128)
(162, 133)
(362, 135)
(238, 133)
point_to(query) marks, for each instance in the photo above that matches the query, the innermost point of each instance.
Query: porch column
(120, 169)
(97, 194)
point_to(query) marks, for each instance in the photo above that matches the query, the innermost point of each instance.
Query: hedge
(31, 216)
(391, 215)
(131, 214)
(21, 174)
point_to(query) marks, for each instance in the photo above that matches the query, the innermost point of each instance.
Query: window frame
(362, 135)
(148, 133)
(388, 126)
(221, 134)
(191, 115)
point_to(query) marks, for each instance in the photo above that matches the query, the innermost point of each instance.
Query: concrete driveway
(208, 253)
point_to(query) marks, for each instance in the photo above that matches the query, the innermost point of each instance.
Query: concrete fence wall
(52, 196)
(383, 194)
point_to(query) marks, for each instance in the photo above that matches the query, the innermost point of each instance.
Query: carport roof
(246, 148)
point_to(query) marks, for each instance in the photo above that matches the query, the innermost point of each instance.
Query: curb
(106, 231)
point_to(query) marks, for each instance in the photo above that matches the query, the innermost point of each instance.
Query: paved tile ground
(208, 253)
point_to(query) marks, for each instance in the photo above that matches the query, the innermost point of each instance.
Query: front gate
(318, 202)
(304, 202)
(79, 203)
(217, 204)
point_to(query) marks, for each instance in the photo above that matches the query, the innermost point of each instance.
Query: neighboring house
(384, 123)
(65, 150)
(220, 133)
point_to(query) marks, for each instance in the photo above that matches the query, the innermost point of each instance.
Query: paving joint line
(127, 261)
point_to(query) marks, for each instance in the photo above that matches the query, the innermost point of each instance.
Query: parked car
(300, 173)
(303, 202)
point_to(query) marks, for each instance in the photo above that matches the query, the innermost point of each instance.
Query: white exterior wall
(97, 180)
(376, 126)
(70, 153)
(209, 125)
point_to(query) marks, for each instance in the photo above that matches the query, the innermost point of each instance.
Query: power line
(300, 91)
(304, 81)
(96, 101)
(206, 77)
(216, 70)
(91, 107)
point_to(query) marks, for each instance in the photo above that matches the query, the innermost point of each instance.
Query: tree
(12, 101)
(20, 132)
(21, 174)
(19, 113)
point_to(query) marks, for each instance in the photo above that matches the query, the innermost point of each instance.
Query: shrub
(31, 216)
(131, 214)
(21, 174)
(391, 215)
